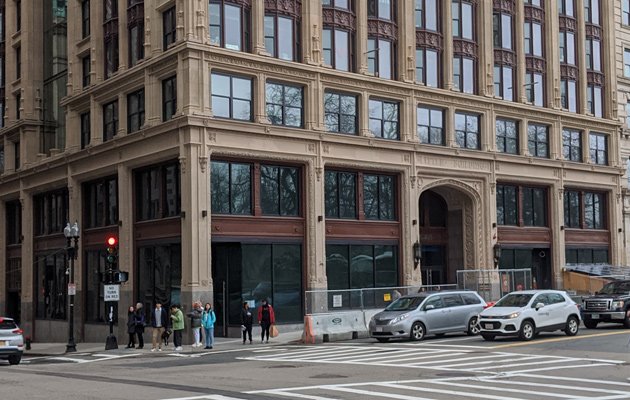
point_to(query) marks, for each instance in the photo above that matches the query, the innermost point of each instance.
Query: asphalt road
(593, 365)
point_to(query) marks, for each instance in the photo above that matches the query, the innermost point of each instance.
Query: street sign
(72, 289)
(111, 292)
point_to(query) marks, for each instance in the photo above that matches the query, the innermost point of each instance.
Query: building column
(522, 137)
(123, 42)
(580, 58)
(28, 267)
(192, 71)
(152, 90)
(3, 258)
(518, 84)
(361, 36)
(315, 225)
(552, 52)
(410, 224)
(258, 28)
(608, 53)
(447, 37)
(311, 32)
(126, 249)
(485, 63)
(557, 232)
(407, 41)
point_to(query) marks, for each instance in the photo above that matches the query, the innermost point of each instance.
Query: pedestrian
(266, 318)
(131, 327)
(177, 317)
(247, 320)
(140, 323)
(208, 318)
(195, 323)
(159, 323)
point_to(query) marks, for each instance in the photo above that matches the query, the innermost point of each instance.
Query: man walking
(178, 326)
(159, 323)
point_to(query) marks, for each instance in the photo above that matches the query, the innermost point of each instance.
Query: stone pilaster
(28, 266)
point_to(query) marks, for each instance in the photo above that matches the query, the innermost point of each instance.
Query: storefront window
(159, 274)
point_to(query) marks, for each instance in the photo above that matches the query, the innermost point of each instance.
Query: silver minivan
(430, 313)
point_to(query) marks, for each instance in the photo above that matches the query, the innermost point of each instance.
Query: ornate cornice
(465, 47)
(291, 8)
(569, 72)
(505, 6)
(593, 31)
(344, 19)
(504, 57)
(595, 78)
(567, 23)
(429, 39)
(535, 64)
(382, 28)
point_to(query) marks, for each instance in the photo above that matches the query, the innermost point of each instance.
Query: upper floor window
(533, 38)
(169, 98)
(427, 67)
(537, 3)
(135, 111)
(626, 63)
(538, 140)
(534, 84)
(340, 112)
(110, 10)
(430, 125)
(284, 104)
(100, 203)
(566, 7)
(341, 4)
(521, 206)
(502, 31)
(567, 47)
(231, 97)
(503, 82)
(18, 15)
(110, 27)
(229, 24)
(426, 15)
(568, 94)
(598, 146)
(594, 100)
(507, 136)
(382, 9)
(337, 49)
(628, 119)
(572, 145)
(467, 133)
(14, 221)
(591, 11)
(282, 34)
(51, 212)
(231, 188)
(340, 190)
(169, 27)
(85, 70)
(158, 192)
(1, 160)
(279, 190)
(110, 120)
(625, 12)
(85, 18)
(584, 210)
(464, 74)
(463, 19)
(86, 129)
(135, 31)
(593, 54)
(380, 57)
(379, 193)
(384, 121)
(17, 155)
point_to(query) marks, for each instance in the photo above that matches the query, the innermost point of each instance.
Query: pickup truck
(611, 304)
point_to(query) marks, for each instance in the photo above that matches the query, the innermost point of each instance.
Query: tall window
(110, 28)
(625, 12)
(598, 148)
(428, 67)
(593, 54)
(467, 133)
(381, 45)
(507, 136)
(566, 7)
(100, 203)
(584, 210)
(503, 85)
(85, 129)
(384, 120)
(51, 282)
(538, 140)
(533, 38)
(591, 11)
(379, 193)
(594, 100)
(507, 205)
(18, 105)
(568, 94)
(229, 24)
(18, 15)
(231, 97)
(340, 190)
(282, 30)
(381, 58)
(169, 98)
(567, 47)
(279, 190)
(464, 74)
(231, 188)
(85, 70)
(18, 62)
(426, 14)
(626, 63)
(284, 104)
(521, 206)
(135, 31)
(51, 212)
(85, 18)
(1, 160)
(430, 125)
(135, 111)
(502, 31)
(169, 27)
(463, 23)
(17, 155)
(13, 221)
(340, 113)
(158, 192)
(338, 34)
(534, 84)
(110, 120)
(572, 145)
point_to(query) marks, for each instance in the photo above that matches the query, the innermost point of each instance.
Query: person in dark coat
(140, 322)
(266, 318)
(159, 323)
(131, 327)
(247, 320)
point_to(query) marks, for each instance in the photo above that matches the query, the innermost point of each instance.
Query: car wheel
(573, 326)
(590, 324)
(15, 360)
(417, 331)
(626, 321)
(528, 331)
(489, 338)
(382, 339)
(473, 327)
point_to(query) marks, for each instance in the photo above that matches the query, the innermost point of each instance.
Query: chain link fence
(492, 284)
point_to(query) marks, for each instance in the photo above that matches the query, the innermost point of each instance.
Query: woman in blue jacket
(207, 321)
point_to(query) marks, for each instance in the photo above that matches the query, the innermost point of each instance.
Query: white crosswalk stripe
(515, 387)
(456, 358)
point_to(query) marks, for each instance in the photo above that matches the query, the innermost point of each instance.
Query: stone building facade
(243, 149)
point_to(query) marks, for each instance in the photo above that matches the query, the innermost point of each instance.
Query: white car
(11, 341)
(526, 313)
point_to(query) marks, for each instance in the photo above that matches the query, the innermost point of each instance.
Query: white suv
(11, 341)
(529, 312)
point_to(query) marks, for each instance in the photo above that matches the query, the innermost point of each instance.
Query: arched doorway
(446, 234)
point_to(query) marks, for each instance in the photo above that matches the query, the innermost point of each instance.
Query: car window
(7, 324)
(514, 300)
(405, 304)
(470, 298)
(435, 301)
(542, 298)
(452, 300)
(556, 298)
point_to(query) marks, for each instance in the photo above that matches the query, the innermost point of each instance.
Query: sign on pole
(111, 292)
(72, 289)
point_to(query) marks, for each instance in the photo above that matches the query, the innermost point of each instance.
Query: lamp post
(417, 255)
(72, 250)
(497, 255)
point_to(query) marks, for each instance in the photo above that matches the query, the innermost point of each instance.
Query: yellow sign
(387, 297)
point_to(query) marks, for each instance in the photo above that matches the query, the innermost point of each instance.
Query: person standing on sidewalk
(247, 320)
(159, 323)
(140, 322)
(195, 323)
(266, 318)
(177, 317)
(131, 327)
(208, 318)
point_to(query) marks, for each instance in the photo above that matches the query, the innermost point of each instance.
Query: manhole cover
(328, 376)
(455, 374)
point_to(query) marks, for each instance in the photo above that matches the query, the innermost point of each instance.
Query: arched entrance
(447, 227)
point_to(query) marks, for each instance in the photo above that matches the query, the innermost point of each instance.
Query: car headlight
(513, 315)
(399, 318)
(618, 304)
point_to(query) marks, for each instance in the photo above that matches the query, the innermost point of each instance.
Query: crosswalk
(77, 358)
(516, 387)
(435, 357)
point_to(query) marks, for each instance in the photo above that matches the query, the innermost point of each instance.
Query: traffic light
(121, 276)
(112, 251)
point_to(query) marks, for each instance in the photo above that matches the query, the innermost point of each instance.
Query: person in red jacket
(266, 318)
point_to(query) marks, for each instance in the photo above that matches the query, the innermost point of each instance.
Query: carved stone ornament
(569, 71)
(567, 23)
(535, 64)
(504, 57)
(182, 164)
(595, 78)
(242, 3)
(533, 13)
(465, 48)
(593, 31)
(429, 39)
(291, 8)
(203, 164)
(506, 6)
(344, 19)
(380, 28)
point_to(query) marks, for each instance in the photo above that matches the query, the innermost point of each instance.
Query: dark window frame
(333, 48)
(160, 212)
(283, 106)
(420, 15)
(110, 127)
(576, 218)
(423, 69)
(86, 66)
(244, 29)
(382, 210)
(503, 139)
(135, 17)
(340, 115)
(85, 18)
(464, 144)
(252, 188)
(430, 126)
(169, 104)
(86, 129)
(91, 203)
(522, 214)
(535, 143)
(296, 36)
(51, 212)
(568, 144)
(232, 97)
(383, 119)
(135, 119)
(169, 27)
(598, 155)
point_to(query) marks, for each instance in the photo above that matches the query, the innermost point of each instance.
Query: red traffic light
(111, 241)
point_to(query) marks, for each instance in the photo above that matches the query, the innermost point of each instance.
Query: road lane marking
(494, 362)
(445, 391)
(519, 364)
(560, 339)
(296, 395)
(566, 378)
(399, 355)
(520, 372)
(508, 390)
(551, 385)
(370, 393)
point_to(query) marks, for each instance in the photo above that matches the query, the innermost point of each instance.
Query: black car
(611, 304)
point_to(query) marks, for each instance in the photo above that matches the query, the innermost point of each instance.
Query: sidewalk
(57, 349)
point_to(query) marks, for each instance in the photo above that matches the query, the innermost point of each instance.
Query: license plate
(2, 343)
(595, 316)
(489, 326)
(379, 329)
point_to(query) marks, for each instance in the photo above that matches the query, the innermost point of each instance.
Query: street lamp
(72, 250)
(417, 255)
(497, 254)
